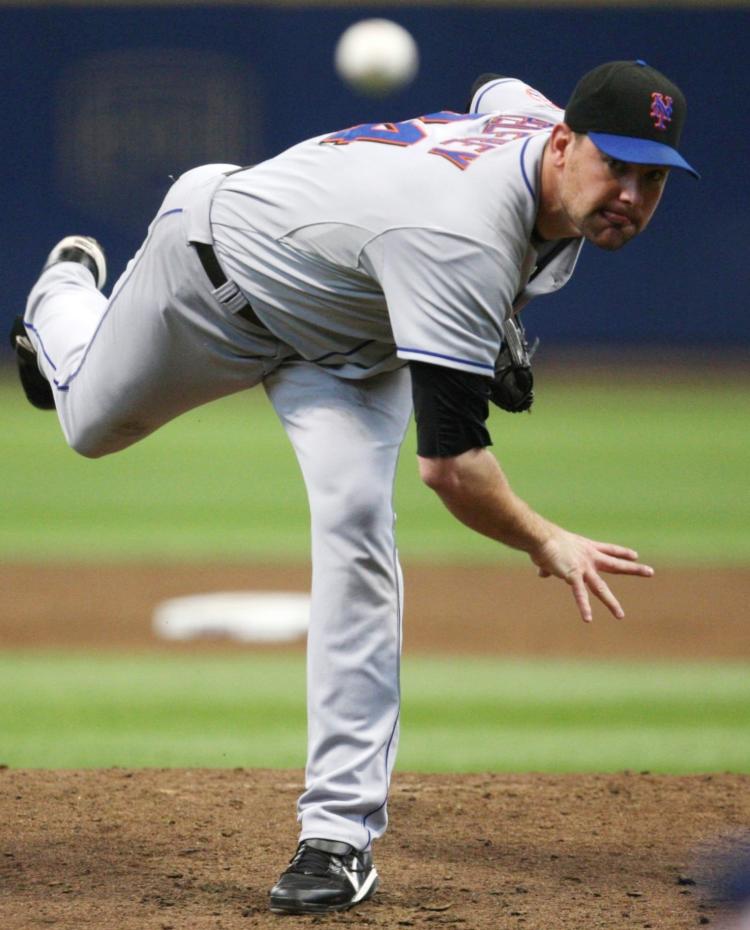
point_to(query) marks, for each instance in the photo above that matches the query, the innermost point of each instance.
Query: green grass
(662, 469)
(69, 711)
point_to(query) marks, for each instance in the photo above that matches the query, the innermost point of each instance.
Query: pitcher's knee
(361, 510)
(95, 439)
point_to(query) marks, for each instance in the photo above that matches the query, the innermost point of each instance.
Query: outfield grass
(70, 711)
(662, 469)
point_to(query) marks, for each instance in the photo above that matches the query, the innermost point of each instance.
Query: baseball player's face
(605, 200)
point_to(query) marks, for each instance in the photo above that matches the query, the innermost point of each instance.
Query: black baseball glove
(513, 385)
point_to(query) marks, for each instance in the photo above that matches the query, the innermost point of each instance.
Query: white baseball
(376, 56)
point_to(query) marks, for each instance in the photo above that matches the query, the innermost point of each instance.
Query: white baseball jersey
(395, 241)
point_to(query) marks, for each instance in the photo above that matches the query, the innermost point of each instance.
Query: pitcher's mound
(192, 850)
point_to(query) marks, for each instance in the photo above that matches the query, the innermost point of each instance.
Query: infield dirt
(174, 849)
(695, 613)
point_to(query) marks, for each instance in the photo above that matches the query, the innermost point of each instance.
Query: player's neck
(552, 222)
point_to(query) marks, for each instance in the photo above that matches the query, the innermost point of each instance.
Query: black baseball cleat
(324, 876)
(82, 249)
(35, 386)
(87, 252)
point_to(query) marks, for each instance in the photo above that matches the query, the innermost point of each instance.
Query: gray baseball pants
(164, 343)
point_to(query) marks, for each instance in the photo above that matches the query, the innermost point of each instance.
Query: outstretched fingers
(620, 566)
(622, 552)
(581, 595)
(591, 581)
(620, 559)
(581, 562)
(599, 587)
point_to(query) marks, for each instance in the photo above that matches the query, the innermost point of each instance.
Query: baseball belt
(225, 291)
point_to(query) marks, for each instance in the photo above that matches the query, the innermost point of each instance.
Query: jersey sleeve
(446, 296)
(477, 84)
(506, 93)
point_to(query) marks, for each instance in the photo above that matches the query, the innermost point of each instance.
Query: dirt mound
(136, 850)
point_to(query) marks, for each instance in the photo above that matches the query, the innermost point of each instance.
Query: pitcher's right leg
(70, 268)
(163, 344)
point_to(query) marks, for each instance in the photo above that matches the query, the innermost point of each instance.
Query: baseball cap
(631, 112)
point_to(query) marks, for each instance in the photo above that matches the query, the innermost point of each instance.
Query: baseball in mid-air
(376, 57)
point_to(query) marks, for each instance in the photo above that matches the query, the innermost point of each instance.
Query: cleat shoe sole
(83, 249)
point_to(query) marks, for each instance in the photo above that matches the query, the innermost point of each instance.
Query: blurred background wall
(101, 104)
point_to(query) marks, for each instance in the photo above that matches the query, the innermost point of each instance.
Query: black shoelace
(311, 861)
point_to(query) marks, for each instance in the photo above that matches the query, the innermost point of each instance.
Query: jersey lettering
(461, 160)
(498, 130)
(446, 116)
(405, 133)
(509, 126)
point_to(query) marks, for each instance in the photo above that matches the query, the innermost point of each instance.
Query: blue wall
(83, 151)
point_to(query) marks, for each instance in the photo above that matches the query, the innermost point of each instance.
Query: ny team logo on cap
(661, 110)
(616, 106)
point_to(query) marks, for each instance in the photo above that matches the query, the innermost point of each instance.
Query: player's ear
(560, 143)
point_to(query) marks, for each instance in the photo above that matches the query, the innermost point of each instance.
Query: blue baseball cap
(631, 112)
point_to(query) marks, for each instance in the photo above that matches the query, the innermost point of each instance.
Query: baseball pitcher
(357, 276)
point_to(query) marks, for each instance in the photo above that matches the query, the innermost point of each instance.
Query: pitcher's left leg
(347, 436)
